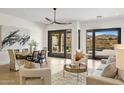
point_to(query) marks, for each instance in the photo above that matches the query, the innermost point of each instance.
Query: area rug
(69, 79)
(11, 78)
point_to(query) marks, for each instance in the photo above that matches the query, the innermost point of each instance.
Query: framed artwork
(13, 37)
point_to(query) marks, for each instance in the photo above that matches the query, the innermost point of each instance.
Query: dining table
(22, 55)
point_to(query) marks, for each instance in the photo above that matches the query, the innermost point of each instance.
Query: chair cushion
(110, 71)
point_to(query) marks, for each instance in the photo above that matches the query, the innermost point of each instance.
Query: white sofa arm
(99, 80)
(104, 61)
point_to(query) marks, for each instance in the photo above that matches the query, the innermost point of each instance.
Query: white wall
(36, 30)
(6, 30)
(98, 25)
(74, 26)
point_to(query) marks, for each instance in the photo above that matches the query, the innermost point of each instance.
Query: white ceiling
(64, 14)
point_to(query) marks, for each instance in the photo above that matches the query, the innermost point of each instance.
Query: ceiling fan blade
(48, 19)
(54, 20)
(62, 23)
(50, 23)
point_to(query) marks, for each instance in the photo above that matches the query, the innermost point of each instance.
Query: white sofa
(104, 54)
(96, 78)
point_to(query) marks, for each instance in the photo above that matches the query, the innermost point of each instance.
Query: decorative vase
(34, 48)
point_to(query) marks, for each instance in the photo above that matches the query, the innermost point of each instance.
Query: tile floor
(56, 64)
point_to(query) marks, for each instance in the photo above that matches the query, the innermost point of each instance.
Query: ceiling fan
(54, 19)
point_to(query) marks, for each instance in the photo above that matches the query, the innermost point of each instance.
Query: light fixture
(98, 17)
(54, 21)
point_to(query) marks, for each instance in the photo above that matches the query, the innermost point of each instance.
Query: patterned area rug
(69, 79)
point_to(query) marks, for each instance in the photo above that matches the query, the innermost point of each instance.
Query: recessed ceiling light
(98, 17)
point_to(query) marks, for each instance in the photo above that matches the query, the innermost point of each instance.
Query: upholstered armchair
(35, 75)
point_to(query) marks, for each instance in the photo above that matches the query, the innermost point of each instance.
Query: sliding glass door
(68, 43)
(89, 42)
(102, 41)
(59, 43)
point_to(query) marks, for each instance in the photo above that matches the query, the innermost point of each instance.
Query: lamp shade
(120, 58)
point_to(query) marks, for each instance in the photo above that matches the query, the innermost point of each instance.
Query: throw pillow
(120, 75)
(110, 71)
(112, 58)
(78, 56)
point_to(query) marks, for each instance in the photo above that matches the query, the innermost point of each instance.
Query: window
(59, 43)
(99, 40)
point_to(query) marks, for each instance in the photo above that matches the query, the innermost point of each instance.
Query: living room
(62, 34)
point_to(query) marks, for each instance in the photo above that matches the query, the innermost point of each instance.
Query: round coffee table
(75, 68)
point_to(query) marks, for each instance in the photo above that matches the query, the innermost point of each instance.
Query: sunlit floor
(56, 64)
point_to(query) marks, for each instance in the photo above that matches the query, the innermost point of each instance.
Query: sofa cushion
(102, 66)
(112, 58)
(104, 61)
(120, 75)
(99, 80)
(109, 71)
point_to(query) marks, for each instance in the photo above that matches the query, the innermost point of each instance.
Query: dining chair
(34, 57)
(19, 57)
(25, 50)
(14, 64)
(16, 50)
(42, 56)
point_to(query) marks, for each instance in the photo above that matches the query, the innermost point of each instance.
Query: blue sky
(105, 33)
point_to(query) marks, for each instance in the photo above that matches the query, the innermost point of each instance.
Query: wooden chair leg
(40, 65)
(46, 60)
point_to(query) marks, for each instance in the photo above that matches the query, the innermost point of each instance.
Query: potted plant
(33, 45)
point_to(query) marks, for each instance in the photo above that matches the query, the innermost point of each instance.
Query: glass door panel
(100, 42)
(89, 44)
(55, 43)
(59, 43)
(68, 44)
(105, 40)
